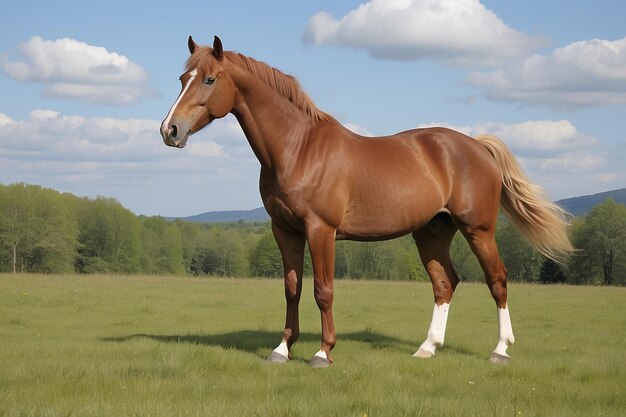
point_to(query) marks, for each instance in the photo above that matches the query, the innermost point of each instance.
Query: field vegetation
(105, 345)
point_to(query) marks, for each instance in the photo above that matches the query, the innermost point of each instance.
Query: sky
(85, 86)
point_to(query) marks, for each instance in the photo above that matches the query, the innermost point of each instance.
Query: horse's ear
(218, 49)
(191, 44)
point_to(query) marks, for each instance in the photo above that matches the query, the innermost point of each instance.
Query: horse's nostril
(174, 131)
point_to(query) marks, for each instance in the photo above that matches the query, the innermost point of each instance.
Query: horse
(320, 182)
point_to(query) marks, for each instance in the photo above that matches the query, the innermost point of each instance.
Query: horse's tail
(540, 221)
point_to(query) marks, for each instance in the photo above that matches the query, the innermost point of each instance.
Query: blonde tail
(539, 220)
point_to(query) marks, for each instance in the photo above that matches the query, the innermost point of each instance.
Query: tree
(465, 262)
(551, 273)
(229, 252)
(190, 235)
(55, 237)
(580, 266)
(602, 240)
(37, 229)
(395, 259)
(109, 237)
(522, 261)
(265, 260)
(162, 251)
(15, 224)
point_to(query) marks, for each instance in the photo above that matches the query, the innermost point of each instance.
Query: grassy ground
(155, 346)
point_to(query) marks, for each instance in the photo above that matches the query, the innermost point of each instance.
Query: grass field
(160, 346)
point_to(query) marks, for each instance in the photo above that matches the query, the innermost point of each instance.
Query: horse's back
(399, 182)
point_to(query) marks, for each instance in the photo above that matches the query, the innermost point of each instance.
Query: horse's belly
(385, 222)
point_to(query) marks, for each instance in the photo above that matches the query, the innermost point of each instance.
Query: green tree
(551, 273)
(162, 251)
(190, 235)
(601, 236)
(395, 259)
(229, 252)
(36, 229)
(109, 237)
(465, 263)
(522, 261)
(16, 219)
(56, 233)
(580, 268)
(265, 259)
(218, 249)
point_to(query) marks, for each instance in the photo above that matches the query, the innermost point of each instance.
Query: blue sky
(84, 87)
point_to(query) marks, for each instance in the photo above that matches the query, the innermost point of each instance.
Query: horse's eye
(209, 80)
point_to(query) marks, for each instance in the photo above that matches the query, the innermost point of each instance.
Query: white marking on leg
(505, 332)
(282, 349)
(192, 76)
(436, 331)
(321, 354)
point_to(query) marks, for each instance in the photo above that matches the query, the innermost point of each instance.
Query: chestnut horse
(320, 182)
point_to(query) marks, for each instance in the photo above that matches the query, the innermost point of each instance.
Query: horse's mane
(286, 85)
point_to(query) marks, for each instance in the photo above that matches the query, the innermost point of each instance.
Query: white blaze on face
(192, 76)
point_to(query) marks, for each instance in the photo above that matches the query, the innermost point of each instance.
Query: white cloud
(70, 69)
(462, 31)
(585, 73)
(207, 149)
(56, 136)
(5, 120)
(537, 138)
(127, 159)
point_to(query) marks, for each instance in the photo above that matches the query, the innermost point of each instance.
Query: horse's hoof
(319, 362)
(276, 357)
(497, 358)
(423, 354)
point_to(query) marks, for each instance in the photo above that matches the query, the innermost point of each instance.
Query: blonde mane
(285, 85)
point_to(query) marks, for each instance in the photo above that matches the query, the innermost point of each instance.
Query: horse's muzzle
(172, 137)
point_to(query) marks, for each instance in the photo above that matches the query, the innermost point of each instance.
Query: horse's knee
(443, 289)
(292, 286)
(323, 297)
(499, 293)
(497, 282)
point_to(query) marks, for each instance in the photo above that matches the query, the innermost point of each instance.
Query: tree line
(42, 230)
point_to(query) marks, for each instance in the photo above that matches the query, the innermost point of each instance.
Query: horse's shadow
(260, 342)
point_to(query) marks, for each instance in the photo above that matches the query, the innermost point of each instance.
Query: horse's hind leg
(483, 244)
(433, 242)
(292, 250)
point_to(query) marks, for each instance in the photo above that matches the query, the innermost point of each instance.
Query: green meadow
(102, 345)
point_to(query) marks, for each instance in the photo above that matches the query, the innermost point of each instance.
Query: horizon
(82, 103)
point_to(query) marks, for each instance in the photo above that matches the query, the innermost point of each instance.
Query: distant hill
(579, 206)
(255, 215)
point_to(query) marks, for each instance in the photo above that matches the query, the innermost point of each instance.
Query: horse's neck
(275, 128)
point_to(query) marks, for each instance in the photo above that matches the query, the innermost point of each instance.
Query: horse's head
(207, 93)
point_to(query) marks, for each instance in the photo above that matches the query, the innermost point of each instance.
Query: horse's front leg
(321, 240)
(291, 247)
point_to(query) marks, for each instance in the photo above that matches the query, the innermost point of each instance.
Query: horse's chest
(282, 214)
